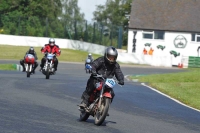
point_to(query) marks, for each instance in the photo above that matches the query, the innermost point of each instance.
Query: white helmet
(51, 41)
(89, 55)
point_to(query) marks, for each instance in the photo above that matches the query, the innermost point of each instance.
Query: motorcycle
(29, 62)
(88, 68)
(100, 101)
(87, 65)
(48, 68)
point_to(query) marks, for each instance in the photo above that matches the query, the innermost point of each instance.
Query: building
(169, 27)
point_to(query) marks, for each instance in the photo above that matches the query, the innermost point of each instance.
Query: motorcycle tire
(100, 116)
(28, 73)
(47, 73)
(84, 115)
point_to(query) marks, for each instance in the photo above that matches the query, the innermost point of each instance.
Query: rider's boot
(83, 105)
(41, 66)
(55, 69)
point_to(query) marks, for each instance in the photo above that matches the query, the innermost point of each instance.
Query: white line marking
(126, 77)
(169, 97)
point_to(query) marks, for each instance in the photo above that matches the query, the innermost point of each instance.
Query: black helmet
(111, 55)
(51, 41)
(31, 50)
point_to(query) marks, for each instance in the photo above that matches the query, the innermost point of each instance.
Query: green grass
(18, 52)
(183, 86)
(124, 47)
(7, 67)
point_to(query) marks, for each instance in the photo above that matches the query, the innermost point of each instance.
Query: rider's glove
(121, 82)
(94, 73)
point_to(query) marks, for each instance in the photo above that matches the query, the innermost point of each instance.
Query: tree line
(63, 19)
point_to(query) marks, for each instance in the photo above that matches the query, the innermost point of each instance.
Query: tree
(74, 20)
(113, 15)
(17, 16)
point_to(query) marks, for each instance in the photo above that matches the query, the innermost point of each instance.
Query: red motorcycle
(99, 101)
(29, 62)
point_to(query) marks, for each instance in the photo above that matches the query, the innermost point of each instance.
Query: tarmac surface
(39, 105)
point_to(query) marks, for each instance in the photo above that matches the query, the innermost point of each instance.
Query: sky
(89, 6)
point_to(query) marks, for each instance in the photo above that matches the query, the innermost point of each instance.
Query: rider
(30, 51)
(89, 57)
(50, 48)
(105, 66)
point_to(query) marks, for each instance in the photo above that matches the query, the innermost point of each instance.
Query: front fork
(30, 68)
(101, 95)
(50, 65)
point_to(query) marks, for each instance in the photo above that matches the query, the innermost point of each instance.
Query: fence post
(120, 37)
(111, 36)
(86, 32)
(100, 40)
(75, 30)
(46, 27)
(93, 39)
(19, 25)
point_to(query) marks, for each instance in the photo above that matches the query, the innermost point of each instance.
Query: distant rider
(30, 51)
(89, 57)
(50, 48)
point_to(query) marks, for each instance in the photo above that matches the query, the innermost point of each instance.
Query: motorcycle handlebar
(49, 53)
(101, 76)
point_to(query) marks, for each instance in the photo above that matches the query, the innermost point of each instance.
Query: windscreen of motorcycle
(30, 56)
(110, 83)
(50, 56)
(88, 61)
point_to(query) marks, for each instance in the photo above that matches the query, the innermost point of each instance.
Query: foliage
(114, 13)
(63, 19)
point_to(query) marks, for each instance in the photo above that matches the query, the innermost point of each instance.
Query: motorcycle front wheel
(84, 115)
(101, 114)
(28, 71)
(47, 73)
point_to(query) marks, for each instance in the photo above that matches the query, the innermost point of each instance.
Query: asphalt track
(38, 105)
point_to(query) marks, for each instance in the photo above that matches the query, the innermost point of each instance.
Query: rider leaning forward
(105, 66)
(51, 47)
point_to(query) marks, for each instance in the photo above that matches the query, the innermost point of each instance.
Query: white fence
(123, 57)
(40, 41)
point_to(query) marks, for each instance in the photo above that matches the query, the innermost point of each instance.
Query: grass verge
(18, 52)
(7, 67)
(183, 86)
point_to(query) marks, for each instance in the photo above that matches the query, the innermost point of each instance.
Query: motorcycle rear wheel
(102, 112)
